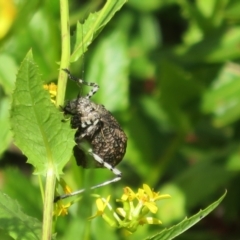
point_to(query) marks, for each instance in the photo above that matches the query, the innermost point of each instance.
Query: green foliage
(5, 134)
(222, 99)
(94, 24)
(186, 223)
(167, 70)
(35, 122)
(16, 222)
(117, 71)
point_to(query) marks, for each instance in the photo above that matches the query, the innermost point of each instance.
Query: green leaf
(92, 26)
(4, 235)
(192, 179)
(5, 134)
(178, 229)
(17, 223)
(147, 6)
(232, 10)
(233, 163)
(222, 98)
(33, 20)
(217, 47)
(8, 72)
(112, 76)
(176, 94)
(29, 200)
(36, 122)
(136, 149)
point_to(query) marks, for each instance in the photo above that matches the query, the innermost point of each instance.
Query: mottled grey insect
(96, 126)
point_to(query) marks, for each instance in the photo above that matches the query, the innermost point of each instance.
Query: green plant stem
(48, 204)
(65, 56)
(62, 81)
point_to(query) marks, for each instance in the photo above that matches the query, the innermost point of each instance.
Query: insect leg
(80, 81)
(105, 164)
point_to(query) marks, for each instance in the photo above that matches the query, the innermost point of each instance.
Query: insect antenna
(64, 196)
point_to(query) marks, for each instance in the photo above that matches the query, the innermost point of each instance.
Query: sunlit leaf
(36, 122)
(176, 230)
(93, 25)
(8, 72)
(112, 76)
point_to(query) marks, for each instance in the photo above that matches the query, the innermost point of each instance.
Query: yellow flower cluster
(135, 210)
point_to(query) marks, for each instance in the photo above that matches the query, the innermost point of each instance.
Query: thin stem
(62, 81)
(48, 205)
(65, 57)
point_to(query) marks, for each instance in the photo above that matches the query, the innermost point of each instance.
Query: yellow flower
(8, 13)
(61, 209)
(101, 205)
(52, 88)
(147, 197)
(128, 194)
(153, 196)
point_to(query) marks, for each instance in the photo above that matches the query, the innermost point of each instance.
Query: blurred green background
(169, 71)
